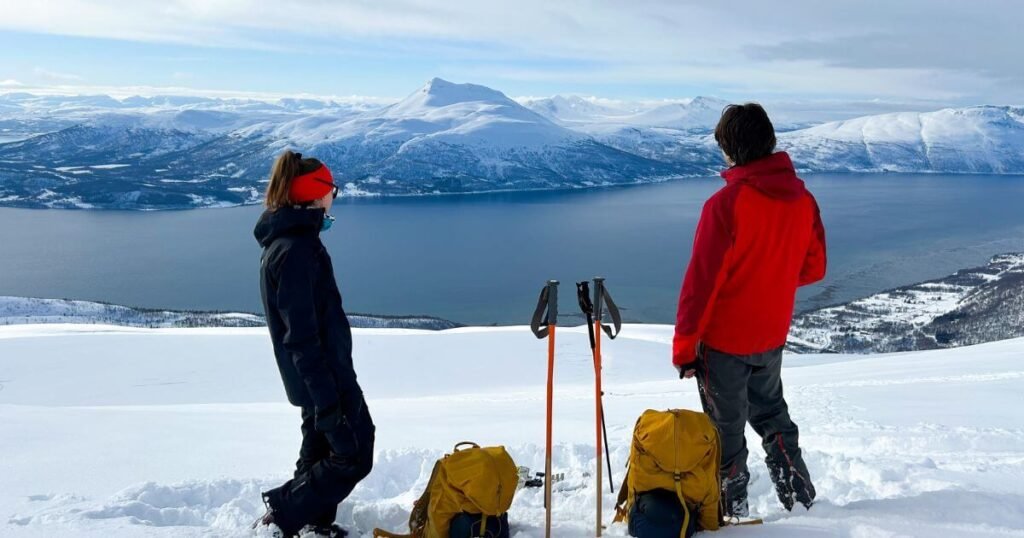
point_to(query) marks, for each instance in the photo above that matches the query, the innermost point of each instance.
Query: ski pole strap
(613, 312)
(546, 313)
(604, 301)
(587, 308)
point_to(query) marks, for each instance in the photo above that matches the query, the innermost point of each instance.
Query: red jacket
(758, 239)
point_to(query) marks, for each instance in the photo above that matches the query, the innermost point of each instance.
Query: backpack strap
(381, 533)
(682, 500)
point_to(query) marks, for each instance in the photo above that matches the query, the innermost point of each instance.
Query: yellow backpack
(676, 450)
(474, 480)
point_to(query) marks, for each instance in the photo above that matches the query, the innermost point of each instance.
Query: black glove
(327, 419)
(688, 367)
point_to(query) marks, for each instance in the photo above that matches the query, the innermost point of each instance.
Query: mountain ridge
(166, 152)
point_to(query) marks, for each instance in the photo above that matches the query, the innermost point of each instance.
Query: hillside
(971, 306)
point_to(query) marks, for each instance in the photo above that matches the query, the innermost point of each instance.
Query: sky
(925, 51)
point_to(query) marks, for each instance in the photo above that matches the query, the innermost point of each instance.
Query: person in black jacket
(313, 346)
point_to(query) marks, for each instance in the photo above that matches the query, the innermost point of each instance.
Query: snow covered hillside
(168, 152)
(30, 310)
(983, 139)
(971, 306)
(117, 432)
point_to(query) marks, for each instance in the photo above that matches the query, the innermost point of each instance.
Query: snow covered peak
(573, 108)
(978, 139)
(449, 113)
(697, 113)
(437, 93)
(976, 123)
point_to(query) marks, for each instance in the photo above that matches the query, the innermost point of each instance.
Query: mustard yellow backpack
(474, 480)
(678, 451)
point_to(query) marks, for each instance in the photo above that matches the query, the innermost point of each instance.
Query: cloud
(55, 76)
(10, 83)
(935, 48)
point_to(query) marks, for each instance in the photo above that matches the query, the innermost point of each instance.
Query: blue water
(482, 259)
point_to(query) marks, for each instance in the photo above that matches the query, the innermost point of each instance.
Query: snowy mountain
(697, 114)
(166, 152)
(443, 138)
(26, 310)
(969, 307)
(449, 137)
(123, 432)
(573, 108)
(984, 139)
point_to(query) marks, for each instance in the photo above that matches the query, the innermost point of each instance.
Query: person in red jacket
(759, 238)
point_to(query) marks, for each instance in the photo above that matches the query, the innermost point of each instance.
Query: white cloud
(10, 83)
(121, 92)
(801, 46)
(54, 76)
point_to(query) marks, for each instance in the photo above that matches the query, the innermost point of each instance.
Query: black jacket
(311, 335)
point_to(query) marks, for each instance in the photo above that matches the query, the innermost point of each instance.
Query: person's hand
(686, 371)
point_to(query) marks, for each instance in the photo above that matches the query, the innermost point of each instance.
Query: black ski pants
(330, 465)
(735, 390)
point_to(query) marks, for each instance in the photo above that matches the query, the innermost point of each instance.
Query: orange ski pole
(599, 408)
(547, 308)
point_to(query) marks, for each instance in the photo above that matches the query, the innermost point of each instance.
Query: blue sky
(915, 50)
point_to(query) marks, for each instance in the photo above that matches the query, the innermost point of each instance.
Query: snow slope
(113, 432)
(981, 139)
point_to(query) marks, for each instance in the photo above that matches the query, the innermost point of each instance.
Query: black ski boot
(266, 521)
(791, 479)
(273, 520)
(734, 495)
(320, 531)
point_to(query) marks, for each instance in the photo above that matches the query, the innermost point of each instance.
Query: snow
(113, 431)
(985, 139)
(596, 115)
(895, 319)
(440, 112)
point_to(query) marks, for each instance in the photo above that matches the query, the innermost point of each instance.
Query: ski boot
(320, 531)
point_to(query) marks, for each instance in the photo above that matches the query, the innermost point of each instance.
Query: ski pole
(599, 415)
(599, 293)
(595, 317)
(547, 308)
(587, 307)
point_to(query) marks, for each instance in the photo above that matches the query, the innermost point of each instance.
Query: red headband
(312, 186)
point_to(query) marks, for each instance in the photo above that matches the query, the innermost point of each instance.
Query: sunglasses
(334, 192)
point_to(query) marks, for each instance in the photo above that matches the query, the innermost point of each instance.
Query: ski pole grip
(598, 297)
(553, 302)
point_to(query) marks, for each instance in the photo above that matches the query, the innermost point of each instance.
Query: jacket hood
(287, 221)
(773, 175)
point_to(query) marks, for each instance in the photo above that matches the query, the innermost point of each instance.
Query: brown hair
(745, 133)
(285, 169)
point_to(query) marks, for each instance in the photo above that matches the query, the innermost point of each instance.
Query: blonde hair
(285, 169)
